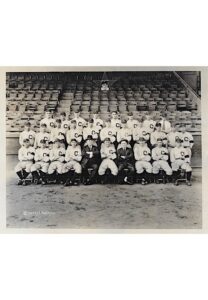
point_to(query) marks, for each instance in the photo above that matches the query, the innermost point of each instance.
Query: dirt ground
(103, 206)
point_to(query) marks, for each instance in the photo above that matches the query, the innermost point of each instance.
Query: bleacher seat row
(29, 95)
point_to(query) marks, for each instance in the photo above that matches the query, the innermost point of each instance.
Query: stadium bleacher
(29, 95)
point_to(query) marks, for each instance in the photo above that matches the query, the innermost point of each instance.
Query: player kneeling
(72, 158)
(143, 166)
(108, 155)
(57, 156)
(40, 168)
(125, 163)
(90, 159)
(180, 160)
(25, 155)
(160, 157)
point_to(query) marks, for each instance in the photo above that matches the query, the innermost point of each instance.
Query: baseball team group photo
(104, 150)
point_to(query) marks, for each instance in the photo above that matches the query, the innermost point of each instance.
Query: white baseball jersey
(50, 123)
(116, 123)
(25, 154)
(57, 154)
(172, 137)
(98, 123)
(30, 135)
(180, 153)
(131, 124)
(65, 125)
(80, 121)
(108, 152)
(42, 154)
(94, 131)
(140, 132)
(157, 135)
(41, 136)
(124, 133)
(187, 139)
(107, 132)
(142, 153)
(74, 134)
(149, 125)
(57, 133)
(73, 153)
(160, 153)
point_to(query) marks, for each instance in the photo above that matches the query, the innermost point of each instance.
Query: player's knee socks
(19, 174)
(35, 175)
(25, 174)
(188, 174)
(139, 176)
(175, 175)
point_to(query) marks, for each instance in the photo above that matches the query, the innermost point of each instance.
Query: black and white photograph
(104, 150)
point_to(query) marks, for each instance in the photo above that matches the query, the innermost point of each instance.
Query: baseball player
(149, 124)
(187, 139)
(124, 132)
(140, 131)
(142, 155)
(48, 120)
(125, 158)
(172, 136)
(27, 133)
(131, 123)
(90, 159)
(115, 121)
(42, 135)
(108, 132)
(57, 157)
(79, 120)
(97, 121)
(25, 155)
(180, 158)
(165, 124)
(92, 130)
(158, 134)
(75, 132)
(108, 156)
(160, 157)
(65, 122)
(57, 132)
(73, 158)
(40, 168)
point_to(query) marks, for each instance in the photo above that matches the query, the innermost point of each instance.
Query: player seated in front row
(73, 158)
(90, 160)
(125, 161)
(142, 156)
(160, 157)
(40, 168)
(108, 156)
(57, 155)
(180, 159)
(25, 155)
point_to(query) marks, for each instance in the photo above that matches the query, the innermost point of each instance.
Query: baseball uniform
(108, 155)
(73, 158)
(160, 157)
